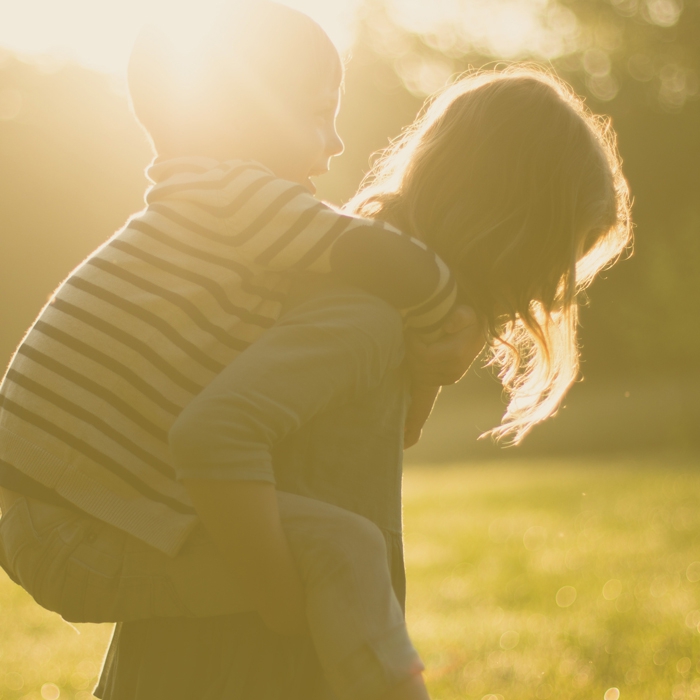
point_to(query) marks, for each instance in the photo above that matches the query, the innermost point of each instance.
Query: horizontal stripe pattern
(89, 418)
(99, 392)
(150, 318)
(99, 458)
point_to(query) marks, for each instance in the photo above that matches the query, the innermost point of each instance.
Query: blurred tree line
(73, 157)
(635, 60)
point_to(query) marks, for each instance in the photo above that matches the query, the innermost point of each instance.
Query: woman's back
(349, 455)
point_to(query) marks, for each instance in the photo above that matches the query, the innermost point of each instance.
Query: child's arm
(278, 225)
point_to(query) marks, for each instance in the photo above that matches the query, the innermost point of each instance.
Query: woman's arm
(335, 346)
(243, 521)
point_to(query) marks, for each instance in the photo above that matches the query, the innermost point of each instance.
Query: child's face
(311, 141)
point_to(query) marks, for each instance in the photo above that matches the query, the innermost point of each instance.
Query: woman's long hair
(519, 188)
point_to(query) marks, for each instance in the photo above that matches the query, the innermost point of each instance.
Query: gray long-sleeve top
(330, 368)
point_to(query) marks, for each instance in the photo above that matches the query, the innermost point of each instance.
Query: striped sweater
(150, 318)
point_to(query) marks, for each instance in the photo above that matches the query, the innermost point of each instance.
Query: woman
(346, 453)
(519, 189)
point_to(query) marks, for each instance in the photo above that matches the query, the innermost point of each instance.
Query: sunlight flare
(99, 35)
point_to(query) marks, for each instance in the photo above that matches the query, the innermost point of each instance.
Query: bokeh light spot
(612, 589)
(665, 13)
(50, 691)
(88, 668)
(660, 657)
(611, 694)
(692, 619)
(509, 639)
(566, 596)
(14, 681)
(693, 572)
(633, 676)
(683, 665)
(604, 87)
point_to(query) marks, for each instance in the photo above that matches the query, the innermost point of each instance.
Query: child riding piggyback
(135, 408)
(91, 486)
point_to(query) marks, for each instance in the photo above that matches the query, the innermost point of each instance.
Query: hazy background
(72, 161)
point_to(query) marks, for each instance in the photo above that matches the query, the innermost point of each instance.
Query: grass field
(563, 580)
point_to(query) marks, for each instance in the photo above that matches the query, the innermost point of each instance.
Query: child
(90, 500)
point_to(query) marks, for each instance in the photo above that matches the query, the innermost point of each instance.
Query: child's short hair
(258, 59)
(510, 178)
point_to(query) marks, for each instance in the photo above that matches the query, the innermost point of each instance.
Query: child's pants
(89, 571)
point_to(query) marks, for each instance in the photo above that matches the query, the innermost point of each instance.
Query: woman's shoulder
(344, 311)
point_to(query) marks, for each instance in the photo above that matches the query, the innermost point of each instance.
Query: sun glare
(99, 33)
(504, 28)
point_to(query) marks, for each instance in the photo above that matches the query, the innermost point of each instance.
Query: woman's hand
(433, 365)
(447, 360)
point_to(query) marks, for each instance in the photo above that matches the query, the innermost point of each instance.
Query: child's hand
(445, 361)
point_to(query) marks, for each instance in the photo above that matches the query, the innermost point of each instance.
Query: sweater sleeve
(277, 225)
(327, 350)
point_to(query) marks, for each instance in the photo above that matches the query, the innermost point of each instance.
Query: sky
(99, 33)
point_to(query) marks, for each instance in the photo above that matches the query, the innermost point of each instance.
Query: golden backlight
(99, 33)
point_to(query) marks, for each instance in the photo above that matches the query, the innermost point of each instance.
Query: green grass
(495, 552)
(41, 655)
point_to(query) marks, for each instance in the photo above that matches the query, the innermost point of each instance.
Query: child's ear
(151, 81)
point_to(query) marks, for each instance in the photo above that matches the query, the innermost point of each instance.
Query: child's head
(519, 188)
(263, 85)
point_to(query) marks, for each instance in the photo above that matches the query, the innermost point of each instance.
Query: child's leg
(88, 571)
(355, 619)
